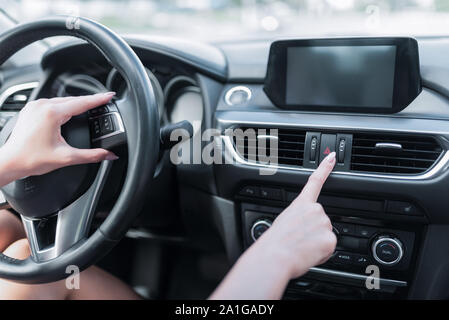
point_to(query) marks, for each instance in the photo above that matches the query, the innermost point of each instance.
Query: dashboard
(387, 198)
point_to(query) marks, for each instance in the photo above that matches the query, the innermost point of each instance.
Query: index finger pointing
(312, 189)
(78, 105)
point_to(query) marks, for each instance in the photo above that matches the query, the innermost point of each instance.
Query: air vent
(15, 98)
(290, 145)
(394, 153)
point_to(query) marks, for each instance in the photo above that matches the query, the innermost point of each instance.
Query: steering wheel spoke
(52, 236)
(106, 127)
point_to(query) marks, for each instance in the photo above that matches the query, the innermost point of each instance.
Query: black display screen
(342, 76)
(377, 75)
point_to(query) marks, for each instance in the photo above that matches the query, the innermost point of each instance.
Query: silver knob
(259, 227)
(387, 250)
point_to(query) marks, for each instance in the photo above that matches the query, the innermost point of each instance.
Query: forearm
(9, 170)
(256, 275)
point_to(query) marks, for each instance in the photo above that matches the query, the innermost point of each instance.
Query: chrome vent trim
(290, 145)
(394, 153)
(233, 155)
(14, 90)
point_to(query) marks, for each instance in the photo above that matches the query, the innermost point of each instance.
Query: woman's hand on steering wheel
(36, 145)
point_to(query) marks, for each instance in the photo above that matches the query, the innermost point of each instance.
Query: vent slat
(290, 146)
(17, 100)
(418, 153)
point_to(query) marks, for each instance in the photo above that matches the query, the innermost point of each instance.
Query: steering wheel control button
(95, 128)
(106, 125)
(328, 142)
(259, 227)
(387, 250)
(98, 111)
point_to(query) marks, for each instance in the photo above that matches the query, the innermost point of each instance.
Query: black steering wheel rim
(142, 133)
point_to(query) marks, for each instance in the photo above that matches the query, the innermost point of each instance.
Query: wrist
(10, 167)
(273, 259)
(280, 256)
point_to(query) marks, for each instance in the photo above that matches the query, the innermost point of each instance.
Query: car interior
(382, 103)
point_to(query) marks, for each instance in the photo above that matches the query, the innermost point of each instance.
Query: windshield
(218, 20)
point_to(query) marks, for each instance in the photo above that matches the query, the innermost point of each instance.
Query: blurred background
(222, 20)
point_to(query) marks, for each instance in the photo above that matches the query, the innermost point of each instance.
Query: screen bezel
(407, 79)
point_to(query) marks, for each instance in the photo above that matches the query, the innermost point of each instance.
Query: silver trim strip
(16, 88)
(355, 276)
(260, 222)
(437, 167)
(234, 89)
(118, 118)
(386, 145)
(266, 136)
(73, 222)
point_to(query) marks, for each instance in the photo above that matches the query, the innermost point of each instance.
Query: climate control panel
(358, 245)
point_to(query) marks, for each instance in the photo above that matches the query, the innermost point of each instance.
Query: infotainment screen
(355, 74)
(341, 76)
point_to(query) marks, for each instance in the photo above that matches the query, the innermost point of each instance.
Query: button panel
(104, 123)
(102, 126)
(330, 202)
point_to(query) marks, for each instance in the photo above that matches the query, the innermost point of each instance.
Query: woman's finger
(82, 104)
(312, 189)
(82, 156)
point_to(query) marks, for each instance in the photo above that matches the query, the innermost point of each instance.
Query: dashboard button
(249, 191)
(344, 228)
(402, 207)
(271, 193)
(290, 195)
(343, 257)
(313, 148)
(341, 150)
(328, 142)
(365, 232)
(361, 260)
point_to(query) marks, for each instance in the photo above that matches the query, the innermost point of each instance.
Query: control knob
(259, 227)
(387, 250)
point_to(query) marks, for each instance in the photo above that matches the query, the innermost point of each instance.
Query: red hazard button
(328, 142)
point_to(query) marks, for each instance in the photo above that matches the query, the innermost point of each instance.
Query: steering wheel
(65, 200)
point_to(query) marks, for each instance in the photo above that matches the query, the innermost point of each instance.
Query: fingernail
(111, 156)
(109, 94)
(331, 157)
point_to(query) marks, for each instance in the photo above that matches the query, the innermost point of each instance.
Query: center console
(369, 240)
(364, 99)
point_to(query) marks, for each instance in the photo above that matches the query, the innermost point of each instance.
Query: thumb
(82, 156)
